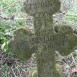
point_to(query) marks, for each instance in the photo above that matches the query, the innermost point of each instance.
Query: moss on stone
(66, 29)
(19, 44)
(68, 42)
(33, 72)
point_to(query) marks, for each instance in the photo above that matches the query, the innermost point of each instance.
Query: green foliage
(3, 26)
(7, 9)
(71, 18)
(2, 38)
(4, 43)
(4, 47)
(12, 8)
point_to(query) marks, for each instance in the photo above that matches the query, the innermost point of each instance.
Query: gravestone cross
(42, 11)
(45, 41)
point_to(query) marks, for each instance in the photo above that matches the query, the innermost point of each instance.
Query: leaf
(4, 46)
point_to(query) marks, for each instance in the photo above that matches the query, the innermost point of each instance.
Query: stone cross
(45, 41)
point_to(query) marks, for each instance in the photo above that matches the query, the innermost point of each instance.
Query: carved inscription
(50, 41)
(39, 4)
(44, 7)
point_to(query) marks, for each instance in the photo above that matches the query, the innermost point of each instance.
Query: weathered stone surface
(20, 44)
(33, 72)
(64, 41)
(47, 44)
(71, 39)
(43, 24)
(41, 7)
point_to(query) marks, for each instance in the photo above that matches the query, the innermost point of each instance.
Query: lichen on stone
(20, 43)
(66, 40)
